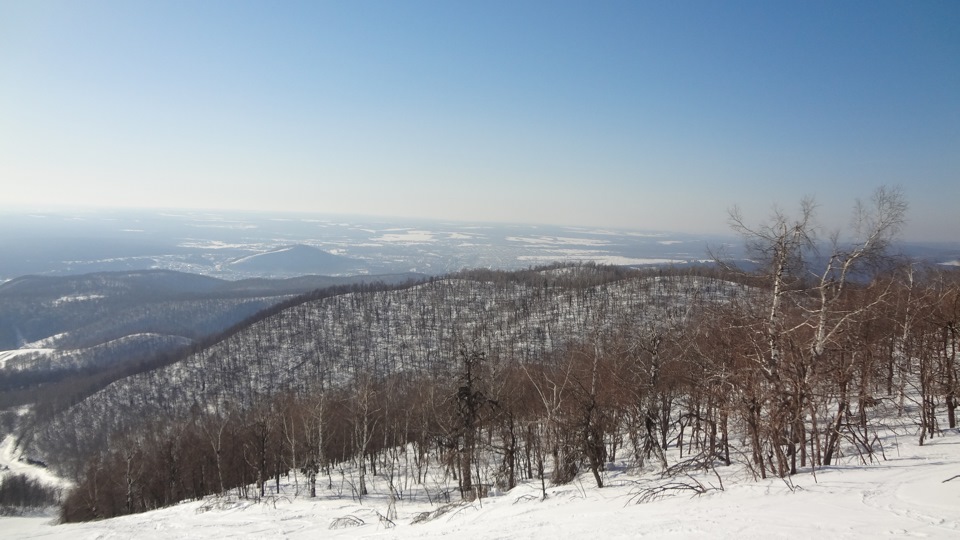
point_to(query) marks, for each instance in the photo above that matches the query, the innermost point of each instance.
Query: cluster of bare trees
(789, 367)
(486, 422)
(838, 327)
(374, 333)
(20, 493)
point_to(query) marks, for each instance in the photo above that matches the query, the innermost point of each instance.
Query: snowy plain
(913, 492)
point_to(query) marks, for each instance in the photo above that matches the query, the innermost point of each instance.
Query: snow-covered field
(913, 493)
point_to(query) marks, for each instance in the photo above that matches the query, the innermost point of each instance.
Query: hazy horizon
(632, 115)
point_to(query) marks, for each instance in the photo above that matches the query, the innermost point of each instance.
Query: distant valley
(234, 246)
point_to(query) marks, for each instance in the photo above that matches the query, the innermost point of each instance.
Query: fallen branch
(654, 493)
(424, 517)
(346, 522)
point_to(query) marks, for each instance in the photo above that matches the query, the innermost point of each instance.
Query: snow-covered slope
(909, 494)
(11, 462)
(10, 356)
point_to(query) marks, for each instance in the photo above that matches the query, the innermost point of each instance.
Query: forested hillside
(72, 312)
(415, 332)
(60, 336)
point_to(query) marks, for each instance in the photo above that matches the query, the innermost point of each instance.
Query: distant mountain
(104, 284)
(297, 260)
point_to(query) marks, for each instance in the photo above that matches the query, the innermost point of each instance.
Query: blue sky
(644, 115)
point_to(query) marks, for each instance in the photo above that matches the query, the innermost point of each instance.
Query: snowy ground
(908, 494)
(10, 462)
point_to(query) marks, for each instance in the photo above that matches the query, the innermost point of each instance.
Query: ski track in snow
(903, 496)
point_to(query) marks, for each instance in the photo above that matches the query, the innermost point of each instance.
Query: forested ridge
(415, 331)
(79, 333)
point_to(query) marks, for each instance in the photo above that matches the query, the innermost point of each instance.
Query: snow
(212, 244)
(6, 356)
(407, 237)
(547, 241)
(47, 342)
(10, 462)
(213, 224)
(909, 493)
(76, 298)
(608, 232)
(645, 235)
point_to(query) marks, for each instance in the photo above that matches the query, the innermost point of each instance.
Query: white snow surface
(545, 241)
(50, 342)
(6, 356)
(76, 298)
(407, 237)
(10, 462)
(913, 492)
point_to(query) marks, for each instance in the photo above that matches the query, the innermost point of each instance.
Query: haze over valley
(243, 245)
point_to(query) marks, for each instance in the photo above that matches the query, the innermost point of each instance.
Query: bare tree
(805, 311)
(781, 246)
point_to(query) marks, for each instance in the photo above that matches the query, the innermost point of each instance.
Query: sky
(639, 115)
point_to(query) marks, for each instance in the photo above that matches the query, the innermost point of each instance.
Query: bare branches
(780, 240)
(692, 486)
(876, 223)
(779, 246)
(346, 522)
(805, 316)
